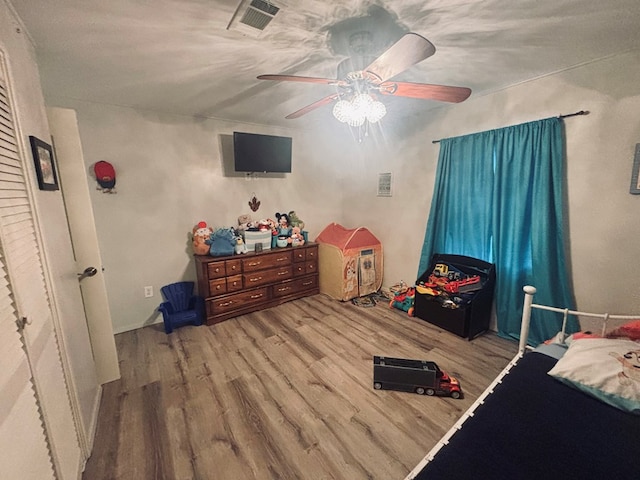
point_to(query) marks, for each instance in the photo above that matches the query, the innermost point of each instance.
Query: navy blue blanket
(534, 427)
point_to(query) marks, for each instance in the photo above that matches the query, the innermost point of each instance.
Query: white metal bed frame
(529, 292)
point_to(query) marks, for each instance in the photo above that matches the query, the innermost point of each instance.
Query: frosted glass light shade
(361, 108)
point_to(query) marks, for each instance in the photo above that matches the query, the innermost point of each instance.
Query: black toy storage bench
(467, 312)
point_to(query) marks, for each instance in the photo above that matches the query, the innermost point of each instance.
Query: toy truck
(419, 376)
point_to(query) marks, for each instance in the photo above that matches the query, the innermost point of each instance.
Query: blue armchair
(181, 307)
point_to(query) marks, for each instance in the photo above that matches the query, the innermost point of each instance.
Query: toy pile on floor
(449, 286)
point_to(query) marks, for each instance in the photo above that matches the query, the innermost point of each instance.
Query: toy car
(419, 376)
(404, 301)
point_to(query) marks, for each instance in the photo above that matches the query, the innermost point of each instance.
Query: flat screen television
(261, 153)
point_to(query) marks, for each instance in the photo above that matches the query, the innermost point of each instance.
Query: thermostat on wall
(384, 184)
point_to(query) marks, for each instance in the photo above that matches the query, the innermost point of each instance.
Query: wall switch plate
(148, 292)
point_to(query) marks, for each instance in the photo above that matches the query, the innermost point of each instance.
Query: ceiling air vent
(253, 16)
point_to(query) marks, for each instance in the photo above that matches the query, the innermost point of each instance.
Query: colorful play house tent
(349, 262)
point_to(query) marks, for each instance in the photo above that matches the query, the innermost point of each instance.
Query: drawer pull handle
(226, 304)
(281, 259)
(255, 279)
(254, 264)
(218, 287)
(282, 273)
(307, 283)
(233, 268)
(256, 296)
(284, 289)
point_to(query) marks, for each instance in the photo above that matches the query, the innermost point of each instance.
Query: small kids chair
(182, 307)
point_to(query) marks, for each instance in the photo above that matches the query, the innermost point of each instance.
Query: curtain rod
(581, 112)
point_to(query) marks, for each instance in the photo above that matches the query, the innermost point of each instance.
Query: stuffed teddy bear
(296, 239)
(201, 234)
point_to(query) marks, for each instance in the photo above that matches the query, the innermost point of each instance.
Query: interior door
(35, 400)
(75, 189)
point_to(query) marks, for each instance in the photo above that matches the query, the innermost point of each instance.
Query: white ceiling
(178, 56)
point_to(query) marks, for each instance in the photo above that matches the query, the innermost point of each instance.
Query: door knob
(88, 272)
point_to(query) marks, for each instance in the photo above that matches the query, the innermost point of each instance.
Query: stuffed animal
(221, 242)
(244, 222)
(240, 246)
(264, 225)
(201, 234)
(294, 221)
(296, 239)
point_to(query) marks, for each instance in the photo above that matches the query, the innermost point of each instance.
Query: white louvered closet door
(37, 430)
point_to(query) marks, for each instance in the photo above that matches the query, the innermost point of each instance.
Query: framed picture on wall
(635, 173)
(45, 165)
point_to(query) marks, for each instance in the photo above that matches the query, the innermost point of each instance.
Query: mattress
(534, 427)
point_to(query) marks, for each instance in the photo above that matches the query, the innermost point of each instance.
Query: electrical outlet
(148, 292)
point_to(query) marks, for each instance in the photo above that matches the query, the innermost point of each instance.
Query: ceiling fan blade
(314, 105)
(296, 78)
(425, 91)
(409, 50)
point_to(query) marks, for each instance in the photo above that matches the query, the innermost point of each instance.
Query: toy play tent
(349, 262)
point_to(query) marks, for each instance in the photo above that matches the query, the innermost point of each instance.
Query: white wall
(171, 175)
(603, 216)
(172, 172)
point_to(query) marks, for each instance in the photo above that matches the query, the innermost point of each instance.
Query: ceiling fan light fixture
(343, 110)
(377, 110)
(362, 107)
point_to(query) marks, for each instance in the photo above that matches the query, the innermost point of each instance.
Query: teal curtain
(499, 196)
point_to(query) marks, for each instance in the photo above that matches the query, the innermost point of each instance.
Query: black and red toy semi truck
(419, 376)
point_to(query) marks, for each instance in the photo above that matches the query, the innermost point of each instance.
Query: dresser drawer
(223, 268)
(234, 283)
(233, 267)
(271, 260)
(304, 268)
(294, 286)
(216, 269)
(299, 254)
(235, 301)
(217, 286)
(267, 276)
(311, 253)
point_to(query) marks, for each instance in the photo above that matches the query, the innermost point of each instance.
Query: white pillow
(605, 368)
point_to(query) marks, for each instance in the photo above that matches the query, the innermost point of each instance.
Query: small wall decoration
(635, 173)
(254, 203)
(105, 176)
(45, 166)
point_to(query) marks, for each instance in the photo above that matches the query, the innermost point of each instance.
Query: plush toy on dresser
(294, 221)
(240, 247)
(296, 239)
(221, 242)
(201, 234)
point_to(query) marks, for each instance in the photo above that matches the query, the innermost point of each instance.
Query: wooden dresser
(239, 284)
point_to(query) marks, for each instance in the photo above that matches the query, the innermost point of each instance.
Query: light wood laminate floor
(285, 393)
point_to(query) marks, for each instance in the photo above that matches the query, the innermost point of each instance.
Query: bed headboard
(529, 292)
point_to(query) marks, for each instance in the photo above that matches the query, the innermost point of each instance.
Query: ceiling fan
(357, 89)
